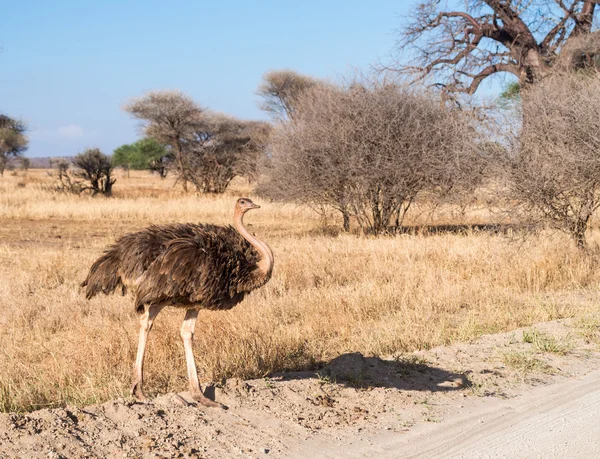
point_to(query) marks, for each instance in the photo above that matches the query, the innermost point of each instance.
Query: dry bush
(223, 148)
(554, 166)
(580, 53)
(92, 171)
(328, 295)
(94, 168)
(368, 149)
(64, 182)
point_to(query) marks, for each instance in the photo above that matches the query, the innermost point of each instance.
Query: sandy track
(557, 421)
(459, 401)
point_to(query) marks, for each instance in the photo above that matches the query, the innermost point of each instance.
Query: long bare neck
(265, 264)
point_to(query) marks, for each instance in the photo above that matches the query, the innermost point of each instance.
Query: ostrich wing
(139, 250)
(128, 258)
(210, 270)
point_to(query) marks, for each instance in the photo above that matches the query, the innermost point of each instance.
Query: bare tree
(459, 49)
(280, 90)
(368, 149)
(61, 165)
(222, 149)
(13, 141)
(554, 166)
(65, 182)
(94, 168)
(170, 117)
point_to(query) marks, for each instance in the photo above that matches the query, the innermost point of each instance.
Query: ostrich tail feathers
(104, 276)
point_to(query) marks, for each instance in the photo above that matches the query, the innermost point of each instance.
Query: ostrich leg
(138, 370)
(187, 335)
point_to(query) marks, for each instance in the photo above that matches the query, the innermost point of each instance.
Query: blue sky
(67, 67)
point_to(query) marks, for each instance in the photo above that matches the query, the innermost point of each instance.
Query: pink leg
(187, 335)
(138, 370)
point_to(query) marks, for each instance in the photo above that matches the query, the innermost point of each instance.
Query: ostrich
(189, 266)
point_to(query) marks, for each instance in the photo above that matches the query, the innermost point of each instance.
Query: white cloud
(70, 131)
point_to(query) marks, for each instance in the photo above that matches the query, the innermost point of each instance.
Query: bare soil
(355, 406)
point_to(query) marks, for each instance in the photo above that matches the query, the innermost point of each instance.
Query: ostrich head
(243, 205)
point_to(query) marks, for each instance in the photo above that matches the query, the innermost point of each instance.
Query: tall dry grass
(329, 294)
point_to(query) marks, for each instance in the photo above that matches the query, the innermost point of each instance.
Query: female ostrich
(187, 266)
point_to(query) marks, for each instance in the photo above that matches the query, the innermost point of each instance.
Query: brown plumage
(192, 266)
(185, 264)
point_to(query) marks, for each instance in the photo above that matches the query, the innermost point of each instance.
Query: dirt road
(557, 421)
(462, 401)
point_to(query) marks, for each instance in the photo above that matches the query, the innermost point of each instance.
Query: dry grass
(589, 328)
(544, 343)
(329, 294)
(526, 363)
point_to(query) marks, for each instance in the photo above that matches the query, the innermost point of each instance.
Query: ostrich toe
(136, 391)
(193, 397)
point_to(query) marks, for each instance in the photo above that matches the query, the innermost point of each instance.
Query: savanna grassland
(330, 293)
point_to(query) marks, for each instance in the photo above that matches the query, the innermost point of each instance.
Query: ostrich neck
(265, 264)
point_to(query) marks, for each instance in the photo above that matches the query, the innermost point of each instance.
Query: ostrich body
(187, 266)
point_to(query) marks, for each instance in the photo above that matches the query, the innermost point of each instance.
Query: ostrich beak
(255, 206)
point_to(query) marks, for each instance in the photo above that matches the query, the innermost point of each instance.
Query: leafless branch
(460, 49)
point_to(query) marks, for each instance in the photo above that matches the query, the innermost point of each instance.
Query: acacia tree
(280, 91)
(459, 49)
(13, 141)
(169, 117)
(124, 157)
(367, 150)
(155, 157)
(145, 154)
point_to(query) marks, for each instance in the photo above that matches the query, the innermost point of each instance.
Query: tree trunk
(95, 186)
(108, 184)
(182, 171)
(584, 215)
(578, 231)
(346, 217)
(377, 220)
(579, 235)
(534, 68)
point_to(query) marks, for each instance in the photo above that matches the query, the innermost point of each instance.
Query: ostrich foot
(197, 397)
(136, 391)
(205, 401)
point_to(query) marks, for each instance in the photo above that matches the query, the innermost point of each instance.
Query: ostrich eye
(242, 202)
